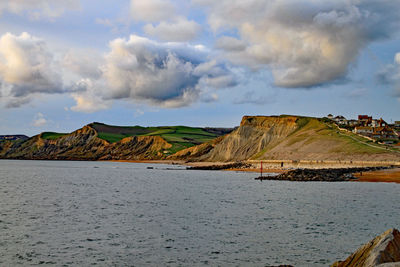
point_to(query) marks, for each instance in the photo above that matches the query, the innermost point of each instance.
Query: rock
(382, 251)
(236, 165)
(320, 175)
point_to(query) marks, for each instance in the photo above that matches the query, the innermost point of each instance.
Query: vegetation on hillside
(180, 137)
(51, 135)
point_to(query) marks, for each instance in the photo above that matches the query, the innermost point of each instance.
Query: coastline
(380, 176)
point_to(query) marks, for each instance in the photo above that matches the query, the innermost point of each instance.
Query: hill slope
(290, 138)
(104, 142)
(258, 138)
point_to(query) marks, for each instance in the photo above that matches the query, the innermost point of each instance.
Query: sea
(66, 213)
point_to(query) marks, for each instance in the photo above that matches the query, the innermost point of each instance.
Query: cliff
(257, 138)
(291, 138)
(84, 144)
(382, 251)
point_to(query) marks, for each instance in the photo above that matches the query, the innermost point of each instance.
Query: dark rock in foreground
(320, 175)
(382, 251)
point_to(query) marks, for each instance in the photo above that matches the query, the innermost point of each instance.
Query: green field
(180, 137)
(51, 135)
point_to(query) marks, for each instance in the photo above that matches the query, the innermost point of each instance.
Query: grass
(180, 137)
(52, 135)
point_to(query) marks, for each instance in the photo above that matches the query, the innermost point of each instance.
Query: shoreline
(380, 176)
(273, 166)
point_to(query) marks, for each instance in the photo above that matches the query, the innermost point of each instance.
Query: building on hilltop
(352, 122)
(364, 120)
(384, 133)
(340, 120)
(364, 130)
(330, 116)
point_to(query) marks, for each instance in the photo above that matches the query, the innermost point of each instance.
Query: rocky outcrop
(230, 166)
(320, 175)
(382, 251)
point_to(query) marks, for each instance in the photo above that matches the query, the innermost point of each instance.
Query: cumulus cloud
(304, 43)
(84, 63)
(26, 67)
(164, 74)
(39, 120)
(179, 30)
(89, 97)
(38, 9)
(152, 10)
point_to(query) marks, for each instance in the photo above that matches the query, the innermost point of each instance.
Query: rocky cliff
(382, 251)
(257, 138)
(84, 144)
(289, 138)
(253, 135)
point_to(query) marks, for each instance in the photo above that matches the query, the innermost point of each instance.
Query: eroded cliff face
(196, 152)
(254, 134)
(84, 144)
(138, 148)
(290, 138)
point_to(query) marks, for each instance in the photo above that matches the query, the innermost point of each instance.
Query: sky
(65, 64)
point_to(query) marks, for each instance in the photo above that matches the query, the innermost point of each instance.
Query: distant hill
(98, 141)
(13, 137)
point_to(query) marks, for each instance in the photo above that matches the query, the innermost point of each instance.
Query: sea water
(123, 214)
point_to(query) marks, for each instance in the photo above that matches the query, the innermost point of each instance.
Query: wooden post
(261, 169)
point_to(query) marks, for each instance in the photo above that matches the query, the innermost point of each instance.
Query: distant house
(364, 130)
(384, 133)
(364, 120)
(340, 120)
(330, 116)
(382, 123)
(397, 124)
(352, 122)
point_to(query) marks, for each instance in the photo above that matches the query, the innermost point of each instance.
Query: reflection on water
(124, 214)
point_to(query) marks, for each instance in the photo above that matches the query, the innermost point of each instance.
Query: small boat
(150, 168)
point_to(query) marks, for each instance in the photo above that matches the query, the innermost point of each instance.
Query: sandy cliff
(291, 138)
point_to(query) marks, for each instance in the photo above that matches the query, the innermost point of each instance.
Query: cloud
(180, 30)
(39, 120)
(84, 63)
(152, 10)
(390, 75)
(39, 9)
(89, 97)
(304, 43)
(163, 74)
(26, 67)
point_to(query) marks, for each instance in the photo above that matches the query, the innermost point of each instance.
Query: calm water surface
(123, 214)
